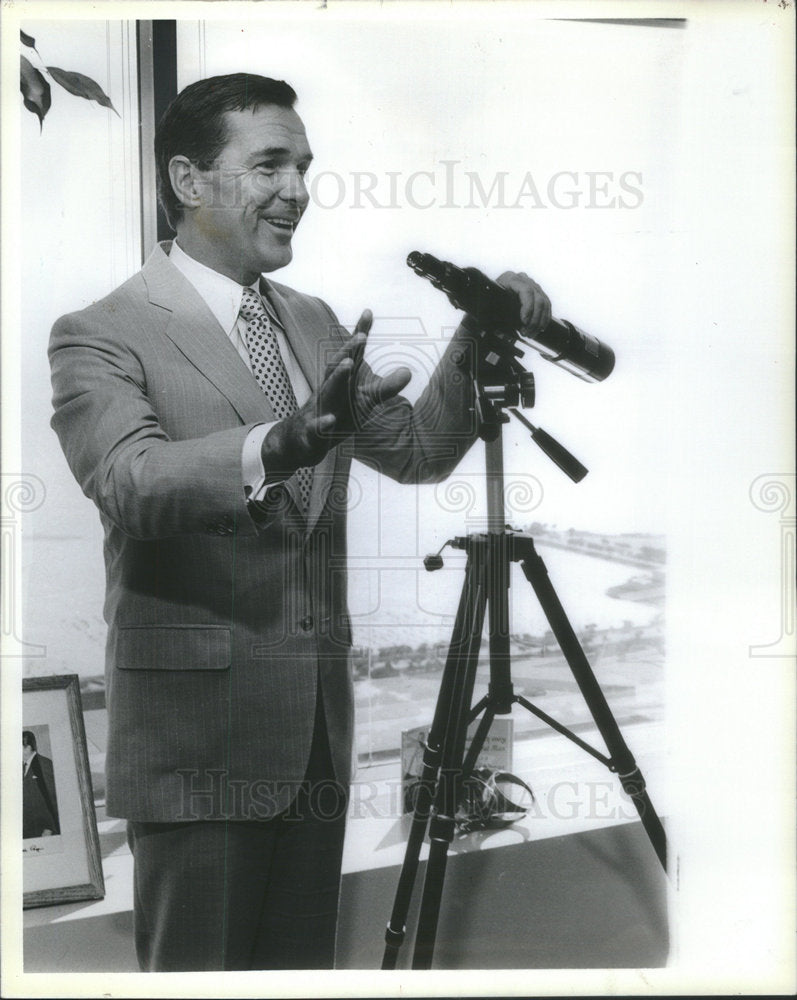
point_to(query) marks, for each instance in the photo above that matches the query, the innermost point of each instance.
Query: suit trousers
(244, 894)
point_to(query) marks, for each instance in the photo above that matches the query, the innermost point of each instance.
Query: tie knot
(251, 306)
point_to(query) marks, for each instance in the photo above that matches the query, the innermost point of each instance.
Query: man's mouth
(281, 223)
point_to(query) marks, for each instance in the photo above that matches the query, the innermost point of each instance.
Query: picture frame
(60, 843)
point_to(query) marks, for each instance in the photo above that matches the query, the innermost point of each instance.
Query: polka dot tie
(270, 372)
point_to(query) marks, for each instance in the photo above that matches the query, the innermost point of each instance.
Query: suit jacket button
(307, 623)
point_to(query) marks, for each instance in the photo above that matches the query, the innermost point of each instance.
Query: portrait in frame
(60, 843)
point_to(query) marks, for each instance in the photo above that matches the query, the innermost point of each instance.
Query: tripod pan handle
(568, 463)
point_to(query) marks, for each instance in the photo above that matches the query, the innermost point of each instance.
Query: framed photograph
(60, 844)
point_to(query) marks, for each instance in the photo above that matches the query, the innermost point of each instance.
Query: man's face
(27, 752)
(254, 194)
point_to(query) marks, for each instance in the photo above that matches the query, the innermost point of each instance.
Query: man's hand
(341, 403)
(535, 306)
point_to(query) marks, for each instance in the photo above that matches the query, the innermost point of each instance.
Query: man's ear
(183, 175)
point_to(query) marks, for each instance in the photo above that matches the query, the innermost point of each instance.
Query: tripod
(446, 768)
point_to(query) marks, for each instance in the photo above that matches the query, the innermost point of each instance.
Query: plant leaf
(35, 90)
(81, 86)
(27, 40)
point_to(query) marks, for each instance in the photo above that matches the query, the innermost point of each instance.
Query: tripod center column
(494, 455)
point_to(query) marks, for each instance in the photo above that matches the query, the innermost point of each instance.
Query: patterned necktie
(270, 372)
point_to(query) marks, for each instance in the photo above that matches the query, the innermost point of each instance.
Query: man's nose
(294, 188)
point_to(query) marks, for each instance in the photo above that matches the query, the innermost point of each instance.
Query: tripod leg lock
(633, 782)
(441, 828)
(394, 938)
(431, 755)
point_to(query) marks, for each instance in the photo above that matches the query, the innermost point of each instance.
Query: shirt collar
(222, 295)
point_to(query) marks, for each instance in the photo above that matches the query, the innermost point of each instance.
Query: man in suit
(212, 416)
(39, 804)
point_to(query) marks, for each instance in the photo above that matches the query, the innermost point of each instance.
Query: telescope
(561, 342)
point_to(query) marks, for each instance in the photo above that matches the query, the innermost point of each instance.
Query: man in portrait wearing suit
(212, 416)
(39, 804)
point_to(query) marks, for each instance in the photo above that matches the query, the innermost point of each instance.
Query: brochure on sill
(496, 754)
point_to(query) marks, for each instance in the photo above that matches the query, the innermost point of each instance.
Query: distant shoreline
(644, 551)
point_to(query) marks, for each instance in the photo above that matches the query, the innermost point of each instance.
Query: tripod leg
(622, 760)
(500, 694)
(477, 742)
(440, 838)
(500, 690)
(453, 680)
(449, 786)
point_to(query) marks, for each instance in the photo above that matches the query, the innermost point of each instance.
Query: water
(409, 606)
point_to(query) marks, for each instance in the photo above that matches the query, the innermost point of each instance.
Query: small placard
(496, 754)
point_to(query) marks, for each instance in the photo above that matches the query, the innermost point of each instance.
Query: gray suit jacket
(219, 629)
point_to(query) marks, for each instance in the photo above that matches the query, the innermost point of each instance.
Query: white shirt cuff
(254, 475)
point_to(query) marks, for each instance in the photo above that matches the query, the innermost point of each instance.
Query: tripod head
(502, 384)
(493, 398)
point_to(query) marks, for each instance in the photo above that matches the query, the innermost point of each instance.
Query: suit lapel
(196, 332)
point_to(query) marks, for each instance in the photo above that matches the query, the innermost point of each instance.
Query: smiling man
(238, 209)
(212, 416)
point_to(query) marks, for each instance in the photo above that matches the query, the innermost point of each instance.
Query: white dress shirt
(223, 296)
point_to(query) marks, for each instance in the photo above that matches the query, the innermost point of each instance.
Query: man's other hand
(535, 306)
(341, 404)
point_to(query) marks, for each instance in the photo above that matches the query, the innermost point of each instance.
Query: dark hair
(193, 125)
(28, 739)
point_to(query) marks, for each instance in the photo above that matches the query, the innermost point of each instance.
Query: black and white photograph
(398, 411)
(61, 861)
(39, 796)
